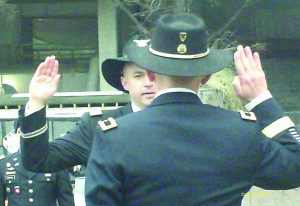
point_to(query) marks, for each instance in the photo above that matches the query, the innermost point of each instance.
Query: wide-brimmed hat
(112, 71)
(178, 47)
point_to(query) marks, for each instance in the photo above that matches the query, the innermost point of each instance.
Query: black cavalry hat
(178, 47)
(112, 71)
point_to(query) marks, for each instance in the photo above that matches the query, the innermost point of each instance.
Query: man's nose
(148, 83)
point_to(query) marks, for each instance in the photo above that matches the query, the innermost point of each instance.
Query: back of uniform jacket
(182, 152)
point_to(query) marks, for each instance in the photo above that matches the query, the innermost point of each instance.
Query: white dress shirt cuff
(31, 109)
(259, 99)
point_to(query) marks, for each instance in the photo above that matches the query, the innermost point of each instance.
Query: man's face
(136, 82)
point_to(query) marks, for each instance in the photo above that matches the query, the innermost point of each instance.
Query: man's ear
(205, 79)
(124, 83)
(150, 76)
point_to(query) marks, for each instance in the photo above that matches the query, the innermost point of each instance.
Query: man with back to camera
(179, 151)
(74, 147)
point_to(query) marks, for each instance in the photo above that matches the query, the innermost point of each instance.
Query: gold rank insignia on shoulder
(95, 113)
(108, 124)
(247, 115)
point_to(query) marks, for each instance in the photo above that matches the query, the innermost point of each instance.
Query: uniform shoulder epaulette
(107, 124)
(95, 113)
(278, 126)
(2, 157)
(247, 115)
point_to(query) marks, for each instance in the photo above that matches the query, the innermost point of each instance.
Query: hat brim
(212, 63)
(112, 71)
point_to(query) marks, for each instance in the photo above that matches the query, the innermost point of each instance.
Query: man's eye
(137, 76)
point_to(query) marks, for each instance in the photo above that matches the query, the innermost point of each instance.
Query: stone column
(107, 35)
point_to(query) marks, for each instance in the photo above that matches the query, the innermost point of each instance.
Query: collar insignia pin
(182, 36)
(181, 49)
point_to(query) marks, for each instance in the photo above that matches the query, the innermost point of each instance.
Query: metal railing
(70, 102)
(65, 106)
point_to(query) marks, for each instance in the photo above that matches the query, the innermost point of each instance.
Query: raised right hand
(250, 81)
(44, 82)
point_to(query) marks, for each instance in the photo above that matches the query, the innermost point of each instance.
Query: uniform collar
(127, 109)
(176, 89)
(176, 97)
(135, 108)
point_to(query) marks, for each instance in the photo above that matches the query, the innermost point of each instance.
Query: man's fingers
(52, 62)
(238, 63)
(249, 56)
(39, 70)
(56, 80)
(45, 67)
(55, 69)
(50, 65)
(257, 61)
(243, 57)
(237, 85)
(42, 68)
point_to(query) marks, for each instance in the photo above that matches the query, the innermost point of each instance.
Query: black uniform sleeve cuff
(33, 122)
(267, 112)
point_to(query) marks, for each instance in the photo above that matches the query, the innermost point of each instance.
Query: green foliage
(150, 10)
(222, 81)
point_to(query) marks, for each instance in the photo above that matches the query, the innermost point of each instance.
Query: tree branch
(140, 27)
(225, 27)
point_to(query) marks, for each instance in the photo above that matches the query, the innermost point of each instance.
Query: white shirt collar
(177, 89)
(134, 107)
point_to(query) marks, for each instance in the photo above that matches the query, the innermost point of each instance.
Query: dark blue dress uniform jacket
(72, 149)
(24, 188)
(180, 152)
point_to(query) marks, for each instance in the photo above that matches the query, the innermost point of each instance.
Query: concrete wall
(9, 34)
(107, 35)
(284, 81)
(73, 77)
(70, 82)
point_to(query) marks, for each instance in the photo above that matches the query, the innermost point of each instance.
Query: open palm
(44, 83)
(250, 81)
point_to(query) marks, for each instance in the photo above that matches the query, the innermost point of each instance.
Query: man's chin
(147, 102)
(149, 96)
